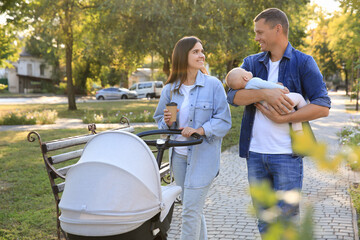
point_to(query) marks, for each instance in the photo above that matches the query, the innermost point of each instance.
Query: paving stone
(228, 204)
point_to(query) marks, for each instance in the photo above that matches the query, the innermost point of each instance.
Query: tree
(230, 27)
(58, 19)
(341, 38)
(353, 6)
(149, 26)
(318, 46)
(345, 40)
(8, 49)
(62, 20)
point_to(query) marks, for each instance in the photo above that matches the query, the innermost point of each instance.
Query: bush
(16, 119)
(3, 88)
(44, 117)
(29, 118)
(93, 117)
(350, 135)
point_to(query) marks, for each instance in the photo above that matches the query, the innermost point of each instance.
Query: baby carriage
(114, 191)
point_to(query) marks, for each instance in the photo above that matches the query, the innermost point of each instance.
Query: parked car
(115, 93)
(148, 89)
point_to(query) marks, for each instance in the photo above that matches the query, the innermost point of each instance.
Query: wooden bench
(61, 154)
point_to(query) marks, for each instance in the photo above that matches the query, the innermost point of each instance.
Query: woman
(202, 109)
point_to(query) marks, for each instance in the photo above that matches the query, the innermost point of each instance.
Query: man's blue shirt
(297, 71)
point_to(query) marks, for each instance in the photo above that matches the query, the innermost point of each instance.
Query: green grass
(350, 106)
(355, 197)
(27, 208)
(349, 135)
(108, 108)
(232, 138)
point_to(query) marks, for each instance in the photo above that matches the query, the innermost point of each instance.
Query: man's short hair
(274, 16)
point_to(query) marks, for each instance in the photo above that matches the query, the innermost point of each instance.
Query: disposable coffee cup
(172, 107)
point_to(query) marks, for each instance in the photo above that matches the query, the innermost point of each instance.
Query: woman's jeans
(283, 171)
(193, 201)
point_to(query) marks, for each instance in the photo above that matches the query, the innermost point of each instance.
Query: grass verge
(350, 106)
(350, 136)
(232, 138)
(135, 107)
(27, 209)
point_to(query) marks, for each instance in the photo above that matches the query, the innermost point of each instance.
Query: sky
(328, 5)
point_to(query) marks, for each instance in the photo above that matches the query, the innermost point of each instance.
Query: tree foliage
(102, 42)
(8, 49)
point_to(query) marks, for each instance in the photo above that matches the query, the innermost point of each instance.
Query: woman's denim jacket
(208, 109)
(297, 71)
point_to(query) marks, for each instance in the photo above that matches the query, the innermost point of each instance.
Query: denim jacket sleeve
(159, 112)
(220, 122)
(313, 84)
(231, 92)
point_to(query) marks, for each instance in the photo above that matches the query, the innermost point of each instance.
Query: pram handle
(168, 143)
(171, 143)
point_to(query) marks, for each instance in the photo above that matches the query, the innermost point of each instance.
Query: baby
(239, 78)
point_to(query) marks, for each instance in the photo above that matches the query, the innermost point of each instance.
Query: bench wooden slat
(68, 142)
(59, 187)
(64, 170)
(126, 129)
(74, 141)
(164, 171)
(65, 156)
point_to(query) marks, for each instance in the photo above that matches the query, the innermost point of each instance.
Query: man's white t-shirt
(267, 136)
(184, 117)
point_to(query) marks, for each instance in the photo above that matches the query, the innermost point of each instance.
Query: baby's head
(237, 78)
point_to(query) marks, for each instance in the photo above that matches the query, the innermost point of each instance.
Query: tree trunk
(346, 82)
(357, 84)
(357, 96)
(357, 89)
(166, 66)
(68, 54)
(229, 65)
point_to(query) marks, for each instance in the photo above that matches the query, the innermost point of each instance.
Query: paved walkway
(228, 203)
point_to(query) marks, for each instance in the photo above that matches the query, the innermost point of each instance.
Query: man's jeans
(283, 171)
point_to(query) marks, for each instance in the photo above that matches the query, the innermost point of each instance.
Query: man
(265, 132)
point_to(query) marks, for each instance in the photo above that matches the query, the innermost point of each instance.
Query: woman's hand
(167, 117)
(188, 131)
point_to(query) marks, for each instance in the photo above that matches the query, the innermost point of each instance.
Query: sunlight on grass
(104, 107)
(350, 106)
(27, 205)
(11, 137)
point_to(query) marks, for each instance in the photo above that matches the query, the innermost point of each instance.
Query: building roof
(24, 53)
(143, 72)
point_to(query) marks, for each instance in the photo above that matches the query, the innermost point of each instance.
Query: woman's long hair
(180, 59)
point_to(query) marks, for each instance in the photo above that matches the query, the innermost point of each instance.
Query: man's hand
(306, 113)
(277, 99)
(271, 114)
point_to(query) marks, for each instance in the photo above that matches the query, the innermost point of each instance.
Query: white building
(141, 75)
(28, 74)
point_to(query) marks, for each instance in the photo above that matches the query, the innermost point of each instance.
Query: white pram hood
(114, 188)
